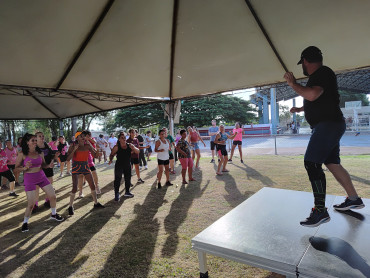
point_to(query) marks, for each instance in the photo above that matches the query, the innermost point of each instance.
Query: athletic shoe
(116, 196)
(348, 204)
(13, 194)
(61, 175)
(69, 173)
(140, 180)
(146, 167)
(71, 211)
(128, 195)
(57, 217)
(230, 160)
(80, 196)
(140, 167)
(17, 184)
(184, 182)
(35, 208)
(47, 204)
(168, 183)
(25, 227)
(98, 206)
(159, 185)
(242, 161)
(97, 190)
(212, 161)
(316, 218)
(173, 172)
(132, 185)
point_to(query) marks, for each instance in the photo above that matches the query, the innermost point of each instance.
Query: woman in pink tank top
(31, 161)
(237, 141)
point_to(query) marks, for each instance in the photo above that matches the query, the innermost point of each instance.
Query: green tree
(350, 96)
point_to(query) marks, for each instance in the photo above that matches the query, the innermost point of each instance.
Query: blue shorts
(195, 146)
(323, 146)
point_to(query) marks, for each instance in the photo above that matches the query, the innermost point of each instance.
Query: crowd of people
(36, 159)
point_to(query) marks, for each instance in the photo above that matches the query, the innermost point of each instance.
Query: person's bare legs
(167, 172)
(183, 174)
(137, 170)
(232, 152)
(90, 180)
(12, 186)
(50, 194)
(224, 164)
(220, 164)
(31, 200)
(80, 185)
(198, 157)
(61, 168)
(160, 172)
(342, 176)
(240, 152)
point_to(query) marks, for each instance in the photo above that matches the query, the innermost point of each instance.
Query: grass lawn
(150, 234)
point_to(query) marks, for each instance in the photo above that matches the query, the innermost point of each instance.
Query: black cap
(311, 54)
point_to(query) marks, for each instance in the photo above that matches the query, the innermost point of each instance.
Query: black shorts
(134, 160)
(163, 162)
(49, 172)
(12, 167)
(237, 143)
(63, 158)
(92, 168)
(213, 145)
(222, 150)
(8, 175)
(149, 149)
(171, 156)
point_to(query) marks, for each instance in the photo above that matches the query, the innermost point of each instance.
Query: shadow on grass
(364, 181)
(178, 213)
(72, 241)
(254, 174)
(132, 255)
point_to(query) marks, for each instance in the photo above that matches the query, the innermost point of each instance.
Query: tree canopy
(350, 96)
(198, 112)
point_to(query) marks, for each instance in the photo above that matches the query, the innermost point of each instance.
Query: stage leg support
(203, 264)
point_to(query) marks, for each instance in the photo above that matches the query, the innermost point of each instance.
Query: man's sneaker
(61, 175)
(80, 196)
(230, 160)
(159, 185)
(316, 218)
(132, 185)
(71, 211)
(140, 180)
(128, 195)
(25, 227)
(168, 183)
(57, 217)
(116, 196)
(212, 160)
(47, 204)
(140, 167)
(348, 204)
(98, 206)
(13, 194)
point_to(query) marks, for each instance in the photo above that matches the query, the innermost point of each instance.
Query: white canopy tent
(65, 58)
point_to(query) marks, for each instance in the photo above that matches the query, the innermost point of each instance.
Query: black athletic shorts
(92, 168)
(12, 167)
(134, 160)
(237, 143)
(49, 172)
(149, 149)
(213, 145)
(222, 150)
(63, 158)
(8, 175)
(171, 156)
(163, 162)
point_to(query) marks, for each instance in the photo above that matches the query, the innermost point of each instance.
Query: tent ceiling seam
(173, 44)
(266, 35)
(43, 105)
(85, 42)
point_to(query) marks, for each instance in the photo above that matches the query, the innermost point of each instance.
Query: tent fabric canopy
(66, 58)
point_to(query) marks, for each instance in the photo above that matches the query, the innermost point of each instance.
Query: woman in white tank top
(162, 146)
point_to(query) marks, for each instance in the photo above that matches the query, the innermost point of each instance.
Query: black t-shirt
(326, 107)
(48, 153)
(140, 139)
(123, 155)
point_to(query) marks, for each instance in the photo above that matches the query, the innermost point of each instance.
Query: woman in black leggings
(123, 151)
